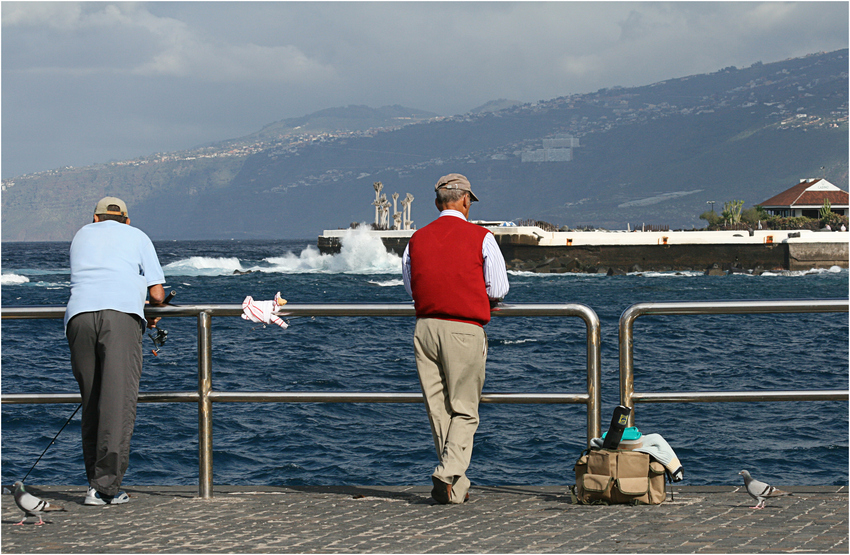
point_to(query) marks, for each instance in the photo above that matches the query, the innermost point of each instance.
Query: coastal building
(806, 199)
(557, 149)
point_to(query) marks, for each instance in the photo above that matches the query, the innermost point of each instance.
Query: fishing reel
(161, 334)
(158, 339)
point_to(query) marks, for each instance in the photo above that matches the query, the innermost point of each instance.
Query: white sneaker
(94, 497)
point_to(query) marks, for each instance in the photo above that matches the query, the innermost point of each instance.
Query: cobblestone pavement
(509, 519)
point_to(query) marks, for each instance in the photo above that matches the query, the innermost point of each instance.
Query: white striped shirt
(495, 274)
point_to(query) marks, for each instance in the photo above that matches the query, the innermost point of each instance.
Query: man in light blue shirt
(113, 268)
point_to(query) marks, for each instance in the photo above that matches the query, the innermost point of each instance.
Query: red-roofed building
(806, 198)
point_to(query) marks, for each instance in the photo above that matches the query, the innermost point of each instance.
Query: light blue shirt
(495, 274)
(112, 266)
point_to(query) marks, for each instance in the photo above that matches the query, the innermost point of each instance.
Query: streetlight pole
(711, 202)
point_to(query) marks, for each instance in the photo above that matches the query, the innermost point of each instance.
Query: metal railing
(206, 396)
(628, 396)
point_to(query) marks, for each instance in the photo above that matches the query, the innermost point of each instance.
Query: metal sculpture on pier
(404, 203)
(385, 213)
(408, 218)
(378, 187)
(401, 220)
(396, 215)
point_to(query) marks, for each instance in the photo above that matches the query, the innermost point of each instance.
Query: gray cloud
(89, 82)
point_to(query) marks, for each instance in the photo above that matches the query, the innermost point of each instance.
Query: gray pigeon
(32, 505)
(759, 490)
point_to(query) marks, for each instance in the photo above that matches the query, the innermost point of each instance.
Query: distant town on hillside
(619, 155)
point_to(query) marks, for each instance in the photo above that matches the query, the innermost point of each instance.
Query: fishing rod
(158, 340)
(52, 441)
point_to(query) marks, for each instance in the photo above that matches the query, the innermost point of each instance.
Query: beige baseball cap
(108, 205)
(455, 181)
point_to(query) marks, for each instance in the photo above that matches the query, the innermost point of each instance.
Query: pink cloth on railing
(262, 312)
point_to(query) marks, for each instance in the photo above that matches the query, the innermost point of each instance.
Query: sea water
(390, 444)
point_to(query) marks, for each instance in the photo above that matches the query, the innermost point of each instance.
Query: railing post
(205, 450)
(594, 375)
(627, 371)
(627, 377)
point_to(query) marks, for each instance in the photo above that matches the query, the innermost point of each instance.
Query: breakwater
(529, 248)
(663, 258)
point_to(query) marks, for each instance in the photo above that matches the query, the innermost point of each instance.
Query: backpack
(608, 476)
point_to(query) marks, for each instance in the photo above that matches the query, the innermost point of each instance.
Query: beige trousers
(450, 360)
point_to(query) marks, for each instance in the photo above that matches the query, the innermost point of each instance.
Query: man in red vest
(454, 271)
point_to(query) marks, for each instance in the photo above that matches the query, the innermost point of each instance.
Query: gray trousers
(450, 360)
(106, 358)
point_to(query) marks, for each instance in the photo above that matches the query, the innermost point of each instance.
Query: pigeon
(759, 490)
(32, 505)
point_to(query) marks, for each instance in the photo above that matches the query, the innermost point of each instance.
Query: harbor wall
(635, 258)
(620, 253)
(610, 258)
(802, 256)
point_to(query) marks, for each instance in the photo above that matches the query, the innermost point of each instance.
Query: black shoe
(442, 492)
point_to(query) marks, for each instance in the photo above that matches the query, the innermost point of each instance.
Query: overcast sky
(86, 83)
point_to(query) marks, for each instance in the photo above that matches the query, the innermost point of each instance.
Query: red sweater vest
(447, 271)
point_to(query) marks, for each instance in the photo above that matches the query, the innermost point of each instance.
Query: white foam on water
(361, 253)
(203, 266)
(684, 273)
(18, 279)
(667, 274)
(13, 279)
(798, 273)
(564, 275)
(388, 283)
(518, 341)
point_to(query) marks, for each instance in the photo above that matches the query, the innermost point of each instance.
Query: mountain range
(654, 155)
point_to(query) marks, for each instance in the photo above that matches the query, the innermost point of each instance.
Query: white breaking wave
(797, 273)
(518, 341)
(565, 275)
(13, 279)
(388, 283)
(17, 279)
(202, 266)
(685, 273)
(668, 274)
(361, 253)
